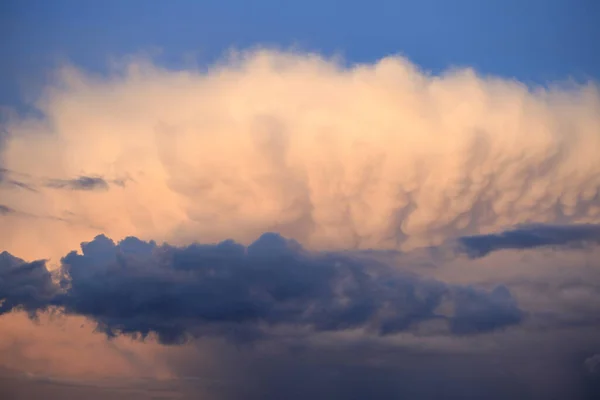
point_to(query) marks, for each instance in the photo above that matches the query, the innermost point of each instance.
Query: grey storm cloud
(25, 285)
(138, 288)
(532, 236)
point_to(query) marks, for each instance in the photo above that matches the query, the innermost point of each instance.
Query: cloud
(339, 322)
(528, 237)
(26, 285)
(367, 156)
(5, 210)
(375, 172)
(21, 185)
(81, 183)
(12, 183)
(137, 288)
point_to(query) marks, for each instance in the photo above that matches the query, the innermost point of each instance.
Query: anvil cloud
(426, 228)
(380, 156)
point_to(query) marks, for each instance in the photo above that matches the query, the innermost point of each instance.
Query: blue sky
(535, 41)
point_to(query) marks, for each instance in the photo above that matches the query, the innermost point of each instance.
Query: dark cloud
(528, 237)
(80, 183)
(453, 346)
(5, 210)
(138, 288)
(24, 285)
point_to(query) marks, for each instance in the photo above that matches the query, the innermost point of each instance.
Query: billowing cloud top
(377, 156)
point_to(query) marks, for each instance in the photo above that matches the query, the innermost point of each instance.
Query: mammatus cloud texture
(376, 156)
(436, 236)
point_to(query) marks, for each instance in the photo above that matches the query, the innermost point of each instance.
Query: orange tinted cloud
(371, 156)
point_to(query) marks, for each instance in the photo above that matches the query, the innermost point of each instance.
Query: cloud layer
(137, 288)
(527, 237)
(243, 320)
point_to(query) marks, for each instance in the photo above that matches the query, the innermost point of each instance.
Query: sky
(264, 200)
(534, 41)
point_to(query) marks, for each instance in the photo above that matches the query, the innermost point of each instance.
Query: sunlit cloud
(424, 226)
(377, 155)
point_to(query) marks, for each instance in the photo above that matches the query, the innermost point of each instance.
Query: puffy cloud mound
(26, 285)
(136, 287)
